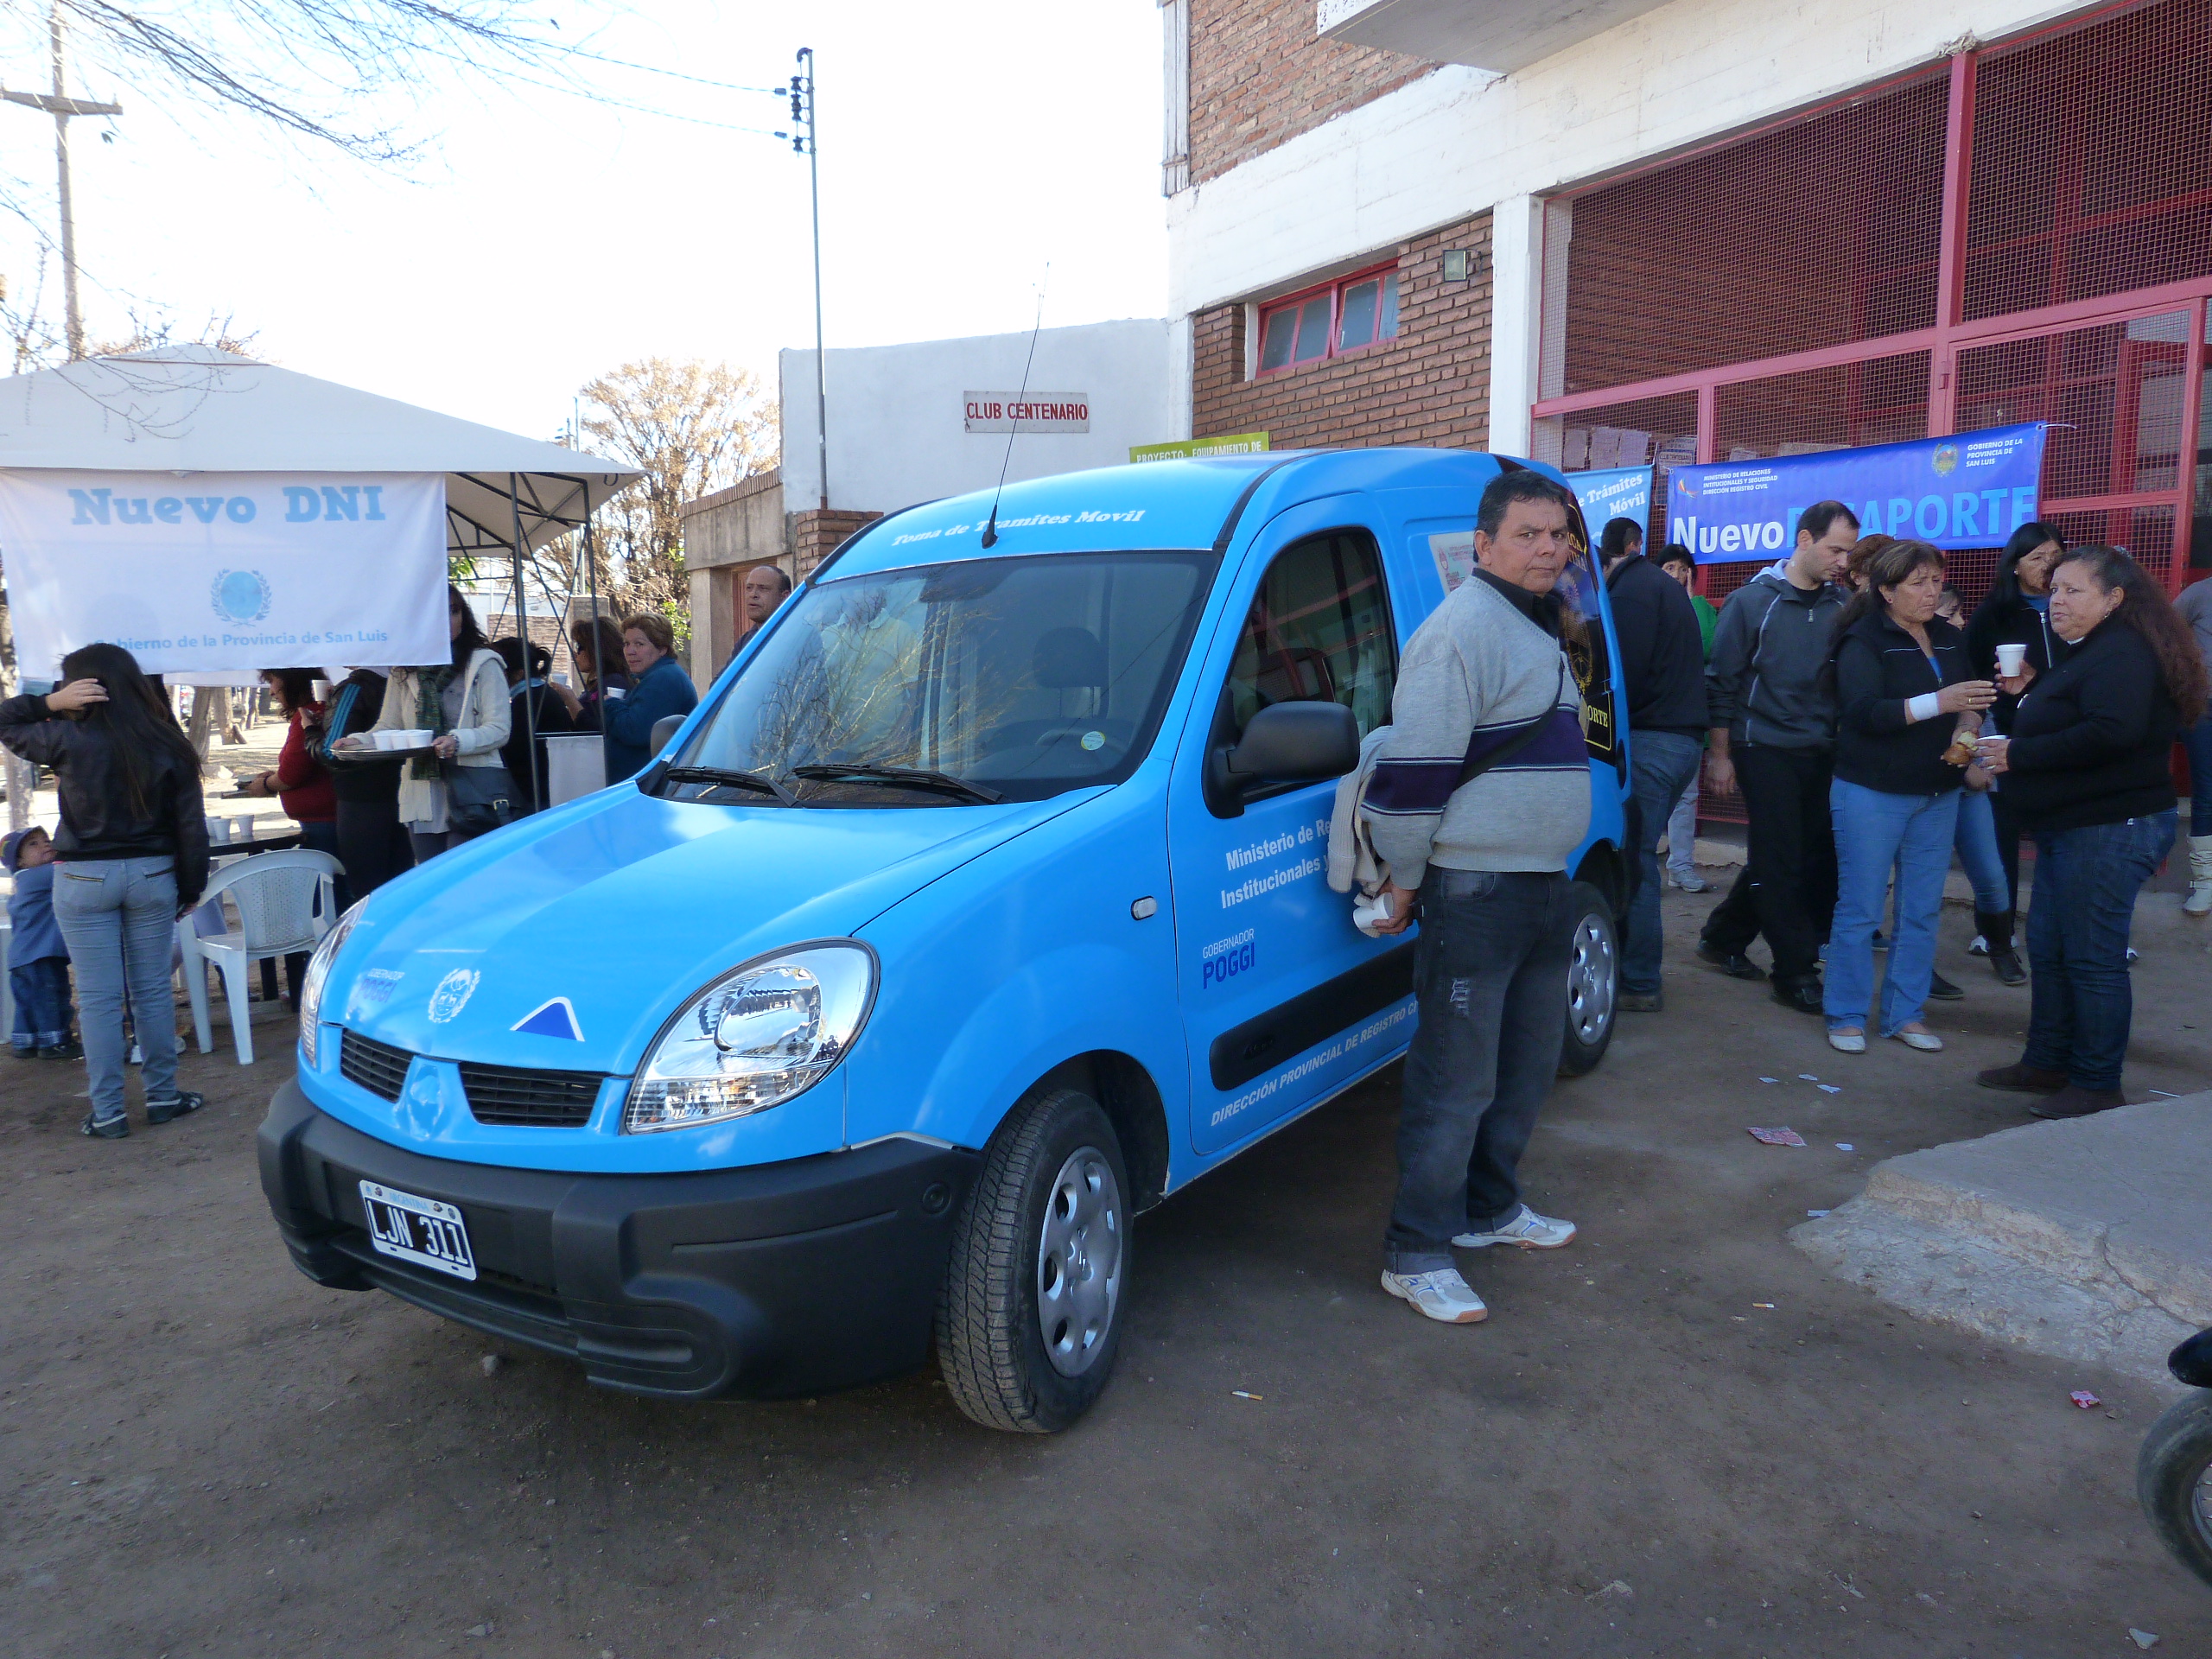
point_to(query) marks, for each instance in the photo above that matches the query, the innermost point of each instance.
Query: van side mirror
(1297, 742)
(665, 730)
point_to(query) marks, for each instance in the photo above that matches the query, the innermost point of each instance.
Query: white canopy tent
(189, 410)
(194, 409)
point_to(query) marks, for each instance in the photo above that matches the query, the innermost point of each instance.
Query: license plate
(421, 1230)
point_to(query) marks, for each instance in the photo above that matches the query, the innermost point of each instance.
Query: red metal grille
(1645, 299)
(1657, 432)
(1884, 401)
(2147, 532)
(2089, 149)
(2113, 395)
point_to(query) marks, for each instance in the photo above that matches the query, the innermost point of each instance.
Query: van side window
(1318, 631)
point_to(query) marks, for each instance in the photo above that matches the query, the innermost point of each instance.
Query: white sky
(546, 239)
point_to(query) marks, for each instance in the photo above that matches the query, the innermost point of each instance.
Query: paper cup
(321, 690)
(2010, 659)
(219, 832)
(242, 826)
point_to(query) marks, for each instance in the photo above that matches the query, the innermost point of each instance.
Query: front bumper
(778, 1278)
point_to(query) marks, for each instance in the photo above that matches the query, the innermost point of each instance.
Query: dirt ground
(204, 1452)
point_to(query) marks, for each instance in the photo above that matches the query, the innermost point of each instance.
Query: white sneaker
(1529, 1230)
(1690, 883)
(1847, 1042)
(1440, 1294)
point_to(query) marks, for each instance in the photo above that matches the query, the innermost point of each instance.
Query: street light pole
(61, 107)
(804, 115)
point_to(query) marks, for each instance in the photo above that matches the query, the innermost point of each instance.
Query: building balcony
(1499, 35)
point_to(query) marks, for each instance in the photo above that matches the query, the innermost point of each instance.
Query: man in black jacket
(1774, 733)
(1663, 677)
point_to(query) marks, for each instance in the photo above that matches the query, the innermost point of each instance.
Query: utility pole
(802, 115)
(61, 107)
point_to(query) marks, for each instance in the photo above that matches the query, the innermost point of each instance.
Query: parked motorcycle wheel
(2173, 1479)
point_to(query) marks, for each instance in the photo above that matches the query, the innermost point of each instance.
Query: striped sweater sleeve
(1432, 720)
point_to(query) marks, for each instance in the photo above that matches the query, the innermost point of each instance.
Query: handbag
(479, 799)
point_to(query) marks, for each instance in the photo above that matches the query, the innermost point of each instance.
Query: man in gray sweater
(1479, 796)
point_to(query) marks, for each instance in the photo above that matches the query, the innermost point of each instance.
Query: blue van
(981, 905)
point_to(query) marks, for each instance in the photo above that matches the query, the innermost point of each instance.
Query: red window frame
(1333, 292)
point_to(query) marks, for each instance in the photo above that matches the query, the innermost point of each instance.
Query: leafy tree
(694, 428)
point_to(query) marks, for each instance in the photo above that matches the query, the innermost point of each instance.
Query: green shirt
(1707, 619)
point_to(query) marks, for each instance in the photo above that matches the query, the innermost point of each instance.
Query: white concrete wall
(1461, 140)
(896, 429)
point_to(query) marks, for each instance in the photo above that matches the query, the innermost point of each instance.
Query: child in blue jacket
(38, 961)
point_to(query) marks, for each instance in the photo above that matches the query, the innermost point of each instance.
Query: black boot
(1996, 930)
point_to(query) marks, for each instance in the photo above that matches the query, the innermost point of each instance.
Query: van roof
(1197, 503)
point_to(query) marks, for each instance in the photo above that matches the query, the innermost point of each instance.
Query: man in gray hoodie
(1478, 798)
(1773, 737)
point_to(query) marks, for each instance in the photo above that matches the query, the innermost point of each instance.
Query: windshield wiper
(910, 777)
(723, 775)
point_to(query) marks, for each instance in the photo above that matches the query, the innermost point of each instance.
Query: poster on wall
(207, 572)
(1621, 493)
(1973, 490)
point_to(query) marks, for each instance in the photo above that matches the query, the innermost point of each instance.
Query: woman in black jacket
(2086, 765)
(133, 855)
(1903, 692)
(2017, 613)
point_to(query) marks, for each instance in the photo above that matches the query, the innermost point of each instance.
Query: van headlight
(317, 976)
(753, 1039)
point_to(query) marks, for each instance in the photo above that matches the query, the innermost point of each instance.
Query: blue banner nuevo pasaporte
(1617, 492)
(1969, 490)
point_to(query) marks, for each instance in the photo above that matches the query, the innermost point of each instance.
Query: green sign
(1242, 443)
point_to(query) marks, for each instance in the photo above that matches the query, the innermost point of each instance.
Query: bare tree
(694, 428)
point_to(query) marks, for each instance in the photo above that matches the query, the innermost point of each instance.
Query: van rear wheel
(1593, 975)
(1029, 1320)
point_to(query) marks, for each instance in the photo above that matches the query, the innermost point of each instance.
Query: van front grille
(548, 1100)
(378, 1067)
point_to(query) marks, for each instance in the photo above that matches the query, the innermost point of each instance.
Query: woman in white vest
(465, 703)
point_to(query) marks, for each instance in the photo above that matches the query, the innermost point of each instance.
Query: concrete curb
(2086, 1239)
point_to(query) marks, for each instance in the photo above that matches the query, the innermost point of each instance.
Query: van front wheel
(1029, 1320)
(1593, 972)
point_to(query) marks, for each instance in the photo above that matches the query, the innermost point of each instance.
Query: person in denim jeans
(132, 859)
(1906, 702)
(2085, 765)
(1661, 669)
(1478, 798)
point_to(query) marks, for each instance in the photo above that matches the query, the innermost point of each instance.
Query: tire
(1029, 1322)
(1593, 982)
(2173, 1479)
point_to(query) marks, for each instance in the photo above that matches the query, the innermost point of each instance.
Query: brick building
(1630, 233)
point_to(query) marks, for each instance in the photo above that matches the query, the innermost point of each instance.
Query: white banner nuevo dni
(203, 572)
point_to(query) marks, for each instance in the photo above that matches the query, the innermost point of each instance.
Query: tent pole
(591, 579)
(522, 631)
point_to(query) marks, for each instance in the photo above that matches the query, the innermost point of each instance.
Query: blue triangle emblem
(554, 1019)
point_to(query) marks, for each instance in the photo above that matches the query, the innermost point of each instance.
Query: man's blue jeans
(1490, 975)
(2078, 917)
(118, 919)
(1661, 765)
(1876, 833)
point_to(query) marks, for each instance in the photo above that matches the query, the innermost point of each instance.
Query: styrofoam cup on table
(242, 826)
(218, 832)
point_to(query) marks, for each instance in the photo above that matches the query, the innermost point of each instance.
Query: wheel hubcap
(1591, 978)
(1079, 1262)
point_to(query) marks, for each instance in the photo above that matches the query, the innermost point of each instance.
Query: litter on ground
(2084, 1399)
(1783, 1137)
(1816, 1214)
(1845, 1146)
(1241, 1395)
(1806, 1076)
(1829, 1088)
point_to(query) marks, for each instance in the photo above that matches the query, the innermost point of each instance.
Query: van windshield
(1017, 677)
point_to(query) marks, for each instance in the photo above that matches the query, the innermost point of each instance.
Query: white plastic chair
(277, 896)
